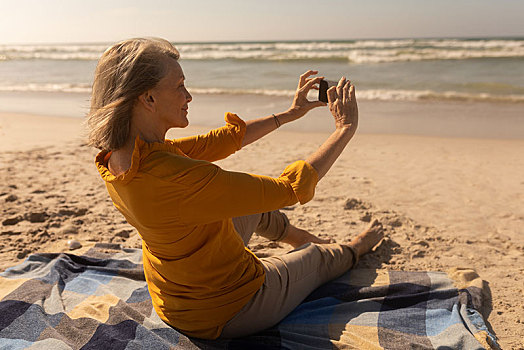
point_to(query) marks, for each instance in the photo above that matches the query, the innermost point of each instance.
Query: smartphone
(323, 88)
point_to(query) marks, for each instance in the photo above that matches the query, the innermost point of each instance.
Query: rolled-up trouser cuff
(355, 254)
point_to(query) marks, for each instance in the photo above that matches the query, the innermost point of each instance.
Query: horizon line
(506, 37)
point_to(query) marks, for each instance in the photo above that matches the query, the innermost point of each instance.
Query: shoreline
(486, 120)
(15, 126)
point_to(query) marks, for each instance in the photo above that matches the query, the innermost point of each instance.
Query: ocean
(401, 70)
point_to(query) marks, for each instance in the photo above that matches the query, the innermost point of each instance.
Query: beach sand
(444, 202)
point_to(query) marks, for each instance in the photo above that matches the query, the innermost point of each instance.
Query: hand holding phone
(343, 104)
(324, 85)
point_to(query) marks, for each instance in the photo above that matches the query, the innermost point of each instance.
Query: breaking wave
(357, 51)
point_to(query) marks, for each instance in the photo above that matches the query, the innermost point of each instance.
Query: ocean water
(469, 70)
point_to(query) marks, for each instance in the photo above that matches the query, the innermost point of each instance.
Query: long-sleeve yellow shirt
(198, 271)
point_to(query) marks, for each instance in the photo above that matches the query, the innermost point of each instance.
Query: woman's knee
(273, 225)
(246, 226)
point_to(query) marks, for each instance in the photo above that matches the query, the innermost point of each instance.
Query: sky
(76, 21)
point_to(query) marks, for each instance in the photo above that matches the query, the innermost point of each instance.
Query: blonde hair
(124, 72)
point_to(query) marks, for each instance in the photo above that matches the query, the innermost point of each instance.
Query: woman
(196, 219)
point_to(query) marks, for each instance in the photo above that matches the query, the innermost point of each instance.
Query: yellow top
(198, 271)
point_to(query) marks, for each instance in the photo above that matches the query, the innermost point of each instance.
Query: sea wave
(51, 52)
(356, 56)
(357, 44)
(357, 51)
(429, 95)
(370, 94)
(382, 95)
(47, 87)
(219, 91)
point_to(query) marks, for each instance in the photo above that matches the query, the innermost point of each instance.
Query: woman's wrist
(346, 127)
(345, 131)
(286, 117)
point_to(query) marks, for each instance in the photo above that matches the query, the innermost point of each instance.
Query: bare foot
(366, 240)
(297, 237)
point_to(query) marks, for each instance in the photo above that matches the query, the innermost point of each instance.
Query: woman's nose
(189, 98)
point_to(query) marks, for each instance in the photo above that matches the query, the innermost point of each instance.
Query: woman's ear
(147, 101)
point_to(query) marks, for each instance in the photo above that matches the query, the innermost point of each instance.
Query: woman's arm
(258, 128)
(216, 144)
(343, 107)
(201, 192)
(205, 193)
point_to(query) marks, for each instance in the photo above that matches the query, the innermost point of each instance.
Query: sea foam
(358, 51)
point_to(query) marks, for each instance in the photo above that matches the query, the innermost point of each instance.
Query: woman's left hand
(301, 105)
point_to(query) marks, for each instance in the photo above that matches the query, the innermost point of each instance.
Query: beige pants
(290, 278)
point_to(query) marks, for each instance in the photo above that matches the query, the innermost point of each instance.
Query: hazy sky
(38, 21)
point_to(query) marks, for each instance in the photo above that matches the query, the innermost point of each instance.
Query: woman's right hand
(343, 105)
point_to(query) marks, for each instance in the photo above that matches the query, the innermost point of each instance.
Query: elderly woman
(195, 219)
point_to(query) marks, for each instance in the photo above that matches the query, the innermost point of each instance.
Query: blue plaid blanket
(100, 301)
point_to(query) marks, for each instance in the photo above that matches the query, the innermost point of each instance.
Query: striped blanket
(100, 301)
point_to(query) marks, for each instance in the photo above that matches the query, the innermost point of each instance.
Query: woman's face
(171, 98)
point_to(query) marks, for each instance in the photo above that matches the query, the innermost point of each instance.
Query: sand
(445, 202)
